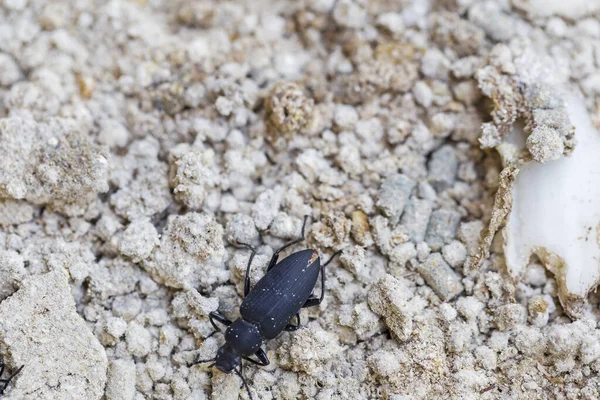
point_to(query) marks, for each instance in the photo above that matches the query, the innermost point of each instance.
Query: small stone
(345, 116)
(539, 308)
(397, 303)
(360, 228)
(469, 233)
(354, 260)
(423, 251)
(402, 253)
(393, 196)
(443, 167)
(193, 173)
(435, 64)
(113, 133)
(392, 21)
(286, 227)
(509, 316)
(308, 349)
(265, 208)
(191, 252)
(120, 384)
(416, 218)
(138, 240)
(114, 329)
(448, 312)
(289, 110)
(545, 144)
(423, 94)
(364, 322)
(384, 363)
(486, 357)
(443, 225)
(349, 14)
(139, 340)
(442, 279)
(530, 341)
(40, 322)
(9, 70)
(349, 160)
(15, 212)
(224, 106)
(469, 307)
(240, 229)
(12, 272)
(535, 275)
(455, 253)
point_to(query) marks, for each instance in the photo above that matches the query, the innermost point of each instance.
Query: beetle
(5, 382)
(269, 307)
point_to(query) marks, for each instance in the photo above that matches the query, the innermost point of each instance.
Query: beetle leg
(219, 317)
(263, 360)
(290, 327)
(315, 301)
(240, 373)
(5, 382)
(247, 279)
(273, 261)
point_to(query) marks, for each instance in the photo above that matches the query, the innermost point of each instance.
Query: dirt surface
(141, 140)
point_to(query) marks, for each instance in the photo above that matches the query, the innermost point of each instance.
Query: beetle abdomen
(280, 294)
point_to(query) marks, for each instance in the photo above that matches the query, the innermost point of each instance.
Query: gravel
(141, 141)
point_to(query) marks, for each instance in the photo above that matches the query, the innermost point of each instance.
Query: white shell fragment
(556, 214)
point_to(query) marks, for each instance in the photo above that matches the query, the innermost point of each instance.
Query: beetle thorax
(243, 337)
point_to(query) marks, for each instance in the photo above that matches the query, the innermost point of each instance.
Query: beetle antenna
(205, 361)
(239, 373)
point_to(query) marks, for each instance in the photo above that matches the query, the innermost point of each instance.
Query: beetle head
(227, 359)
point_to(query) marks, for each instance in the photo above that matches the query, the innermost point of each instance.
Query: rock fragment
(396, 302)
(54, 163)
(40, 328)
(191, 252)
(393, 196)
(510, 315)
(193, 173)
(240, 229)
(138, 240)
(455, 253)
(443, 167)
(289, 111)
(12, 272)
(442, 228)
(120, 383)
(14, 212)
(309, 349)
(265, 208)
(441, 277)
(416, 218)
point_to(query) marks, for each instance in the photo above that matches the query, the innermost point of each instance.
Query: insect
(4, 382)
(269, 307)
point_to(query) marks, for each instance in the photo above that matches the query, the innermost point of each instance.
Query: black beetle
(5, 382)
(269, 307)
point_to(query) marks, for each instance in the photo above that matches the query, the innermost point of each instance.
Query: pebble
(442, 228)
(442, 168)
(439, 275)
